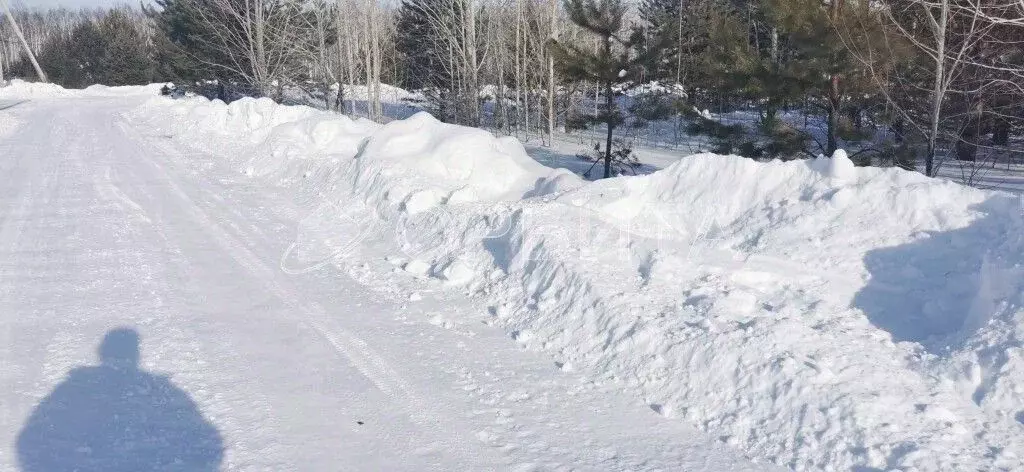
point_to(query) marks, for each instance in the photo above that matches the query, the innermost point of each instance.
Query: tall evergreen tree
(417, 42)
(126, 57)
(783, 53)
(682, 28)
(663, 18)
(176, 51)
(615, 61)
(184, 50)
(430, 43)
(110, 51)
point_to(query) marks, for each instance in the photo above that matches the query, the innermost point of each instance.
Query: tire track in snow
(354, 349)
(236, 411)
(104, 184)
(12, 228)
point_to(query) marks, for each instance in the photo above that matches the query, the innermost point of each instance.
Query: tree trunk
(609, 119)
(609, 116)
(1001, 133)
(679, 45)
(472, 65)
(832, 145)
(327, 93)
(897, 128)
(341, 39)
(855, 116)
(551, 75)
(833, 115)
(967, 145)
(350, 64)
(938, 90)
(368, 60)
(519, 64)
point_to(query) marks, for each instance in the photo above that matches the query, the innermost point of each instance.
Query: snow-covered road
(111, 241)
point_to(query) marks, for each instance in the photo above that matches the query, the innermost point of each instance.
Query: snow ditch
(811, 314)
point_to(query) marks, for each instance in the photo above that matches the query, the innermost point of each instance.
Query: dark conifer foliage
(614, 62)
(112, 51)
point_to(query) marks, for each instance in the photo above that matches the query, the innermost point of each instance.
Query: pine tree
(177, 54)
(663, 18)
(74, 61)
(783, 53)
(199, 39)
(682, 29)
(614, 61)
(416, 41)
(126, 57)
(110, 51)
(430, 42)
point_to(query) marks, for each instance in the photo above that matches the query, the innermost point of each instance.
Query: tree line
(902, 82)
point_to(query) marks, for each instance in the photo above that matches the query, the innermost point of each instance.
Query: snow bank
(21, 89)
(18, 88)
(286, 142)
(420, 162)
(810, 313)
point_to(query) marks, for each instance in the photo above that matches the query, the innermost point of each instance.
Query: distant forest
(899, 82)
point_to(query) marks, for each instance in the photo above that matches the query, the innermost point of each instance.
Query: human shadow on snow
(115, 417)
(923, 291)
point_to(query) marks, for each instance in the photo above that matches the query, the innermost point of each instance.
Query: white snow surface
(150, 323)
(21, 89)
(810, 314)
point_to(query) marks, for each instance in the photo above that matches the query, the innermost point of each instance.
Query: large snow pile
(810, 313)
(420, 162)
(272, 139)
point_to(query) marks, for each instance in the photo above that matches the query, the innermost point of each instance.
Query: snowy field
(319, 293)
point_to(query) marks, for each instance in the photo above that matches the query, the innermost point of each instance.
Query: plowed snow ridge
(147, 326)
(809, 313)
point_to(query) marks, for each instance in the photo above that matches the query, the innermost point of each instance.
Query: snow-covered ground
(122, 231)
(421, 295)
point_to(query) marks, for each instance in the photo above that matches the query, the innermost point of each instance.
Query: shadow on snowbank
(927, 291)
(115, 417)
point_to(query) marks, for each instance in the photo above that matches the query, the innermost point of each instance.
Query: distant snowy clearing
(811, 314)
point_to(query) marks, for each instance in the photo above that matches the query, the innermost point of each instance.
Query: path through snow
(105, 224)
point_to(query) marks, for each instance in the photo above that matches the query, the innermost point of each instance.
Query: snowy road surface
(111, 242)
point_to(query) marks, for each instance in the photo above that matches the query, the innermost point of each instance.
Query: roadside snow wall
(21, 89)
(809, 313)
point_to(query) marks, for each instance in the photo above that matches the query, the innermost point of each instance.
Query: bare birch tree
(259, 41)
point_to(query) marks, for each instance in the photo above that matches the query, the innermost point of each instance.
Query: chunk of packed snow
(838, 167)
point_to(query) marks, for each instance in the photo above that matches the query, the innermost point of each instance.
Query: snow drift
(21, 89)
(810, 313)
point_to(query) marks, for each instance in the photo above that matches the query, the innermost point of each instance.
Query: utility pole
(21, 37)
